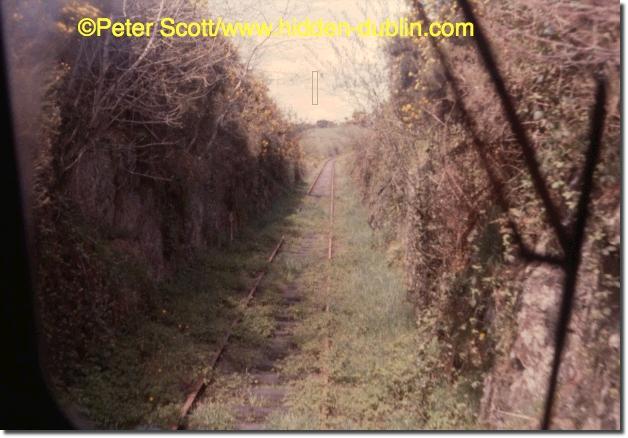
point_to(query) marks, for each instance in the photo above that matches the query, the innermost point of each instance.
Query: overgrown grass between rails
(385, 368)
(140, 378)
(302, 256)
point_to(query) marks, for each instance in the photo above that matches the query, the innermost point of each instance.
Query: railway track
(325, 411)
(206, 379)
(317, 189)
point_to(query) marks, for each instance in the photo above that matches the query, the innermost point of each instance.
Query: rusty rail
(320, 172)
(205, 380)
(327, 342)
(332, 210)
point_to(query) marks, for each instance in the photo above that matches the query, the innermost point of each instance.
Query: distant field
(319, 144)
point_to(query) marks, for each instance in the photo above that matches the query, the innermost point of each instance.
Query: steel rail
(309, 191)
(327, 342)
(205, 380)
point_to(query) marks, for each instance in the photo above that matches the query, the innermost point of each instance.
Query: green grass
(384, 371)
(141, 378)
(232, 385)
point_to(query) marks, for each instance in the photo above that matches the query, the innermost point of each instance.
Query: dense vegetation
(151, 151)
(492, 312)
(153, 159)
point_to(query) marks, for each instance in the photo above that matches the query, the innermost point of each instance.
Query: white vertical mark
(314, 88)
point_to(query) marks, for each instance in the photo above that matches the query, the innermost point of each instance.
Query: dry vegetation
(151, 151)
(492, 312)
(154, 150)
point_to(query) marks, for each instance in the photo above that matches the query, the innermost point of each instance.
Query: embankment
(494, 314)
(151, 151)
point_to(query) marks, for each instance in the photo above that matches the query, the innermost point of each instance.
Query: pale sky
(287, 63)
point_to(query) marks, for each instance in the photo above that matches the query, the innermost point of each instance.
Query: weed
(383, 372)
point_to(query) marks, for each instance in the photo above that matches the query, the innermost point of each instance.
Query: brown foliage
(149, 150)
(422, 176)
